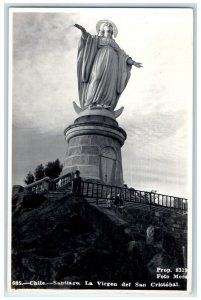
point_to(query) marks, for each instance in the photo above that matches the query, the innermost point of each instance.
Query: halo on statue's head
(98, 26)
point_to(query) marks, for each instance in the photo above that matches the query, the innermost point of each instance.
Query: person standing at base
(121, 202)
(108, 201)
(76, 183)
(117, 200)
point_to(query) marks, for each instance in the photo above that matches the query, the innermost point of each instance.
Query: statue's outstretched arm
(134, 63)
(83, 30)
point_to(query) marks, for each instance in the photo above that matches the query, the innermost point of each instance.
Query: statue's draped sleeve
(87, 50)
(123, 71)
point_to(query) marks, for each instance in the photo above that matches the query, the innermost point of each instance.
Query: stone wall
(65, 238)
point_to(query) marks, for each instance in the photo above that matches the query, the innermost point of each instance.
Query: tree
(29, 178)
(53, 169)
(39, 172)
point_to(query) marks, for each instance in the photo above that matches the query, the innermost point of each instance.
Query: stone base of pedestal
(94, 144)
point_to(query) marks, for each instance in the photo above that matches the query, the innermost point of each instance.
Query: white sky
(157, 100)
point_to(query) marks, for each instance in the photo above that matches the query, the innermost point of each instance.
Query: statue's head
(106, 28)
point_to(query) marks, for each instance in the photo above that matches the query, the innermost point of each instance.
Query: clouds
(155, 125)
(155, 153)
(157, 100)
(43, 84)
(39, 33)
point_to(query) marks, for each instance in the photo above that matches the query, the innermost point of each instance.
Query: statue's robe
(103, 71)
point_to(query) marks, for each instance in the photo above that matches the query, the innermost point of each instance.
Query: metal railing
(101, 191)
(90, 189)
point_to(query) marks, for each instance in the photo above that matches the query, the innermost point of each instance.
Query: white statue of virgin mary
(103, 68)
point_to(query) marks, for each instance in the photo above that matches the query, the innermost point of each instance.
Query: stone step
(56, 193)
(53, 195)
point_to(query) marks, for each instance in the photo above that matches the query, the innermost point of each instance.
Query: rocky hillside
(65, 242)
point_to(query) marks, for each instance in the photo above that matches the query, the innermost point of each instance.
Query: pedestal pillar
(94, 144)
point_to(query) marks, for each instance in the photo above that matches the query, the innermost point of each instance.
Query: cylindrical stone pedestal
(94, 144)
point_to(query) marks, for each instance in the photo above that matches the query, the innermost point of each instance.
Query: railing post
(150, 200)
(97, 194)
(82, 191)
(154, 198)
(174, 203)
(183, 201)
(92, 191)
